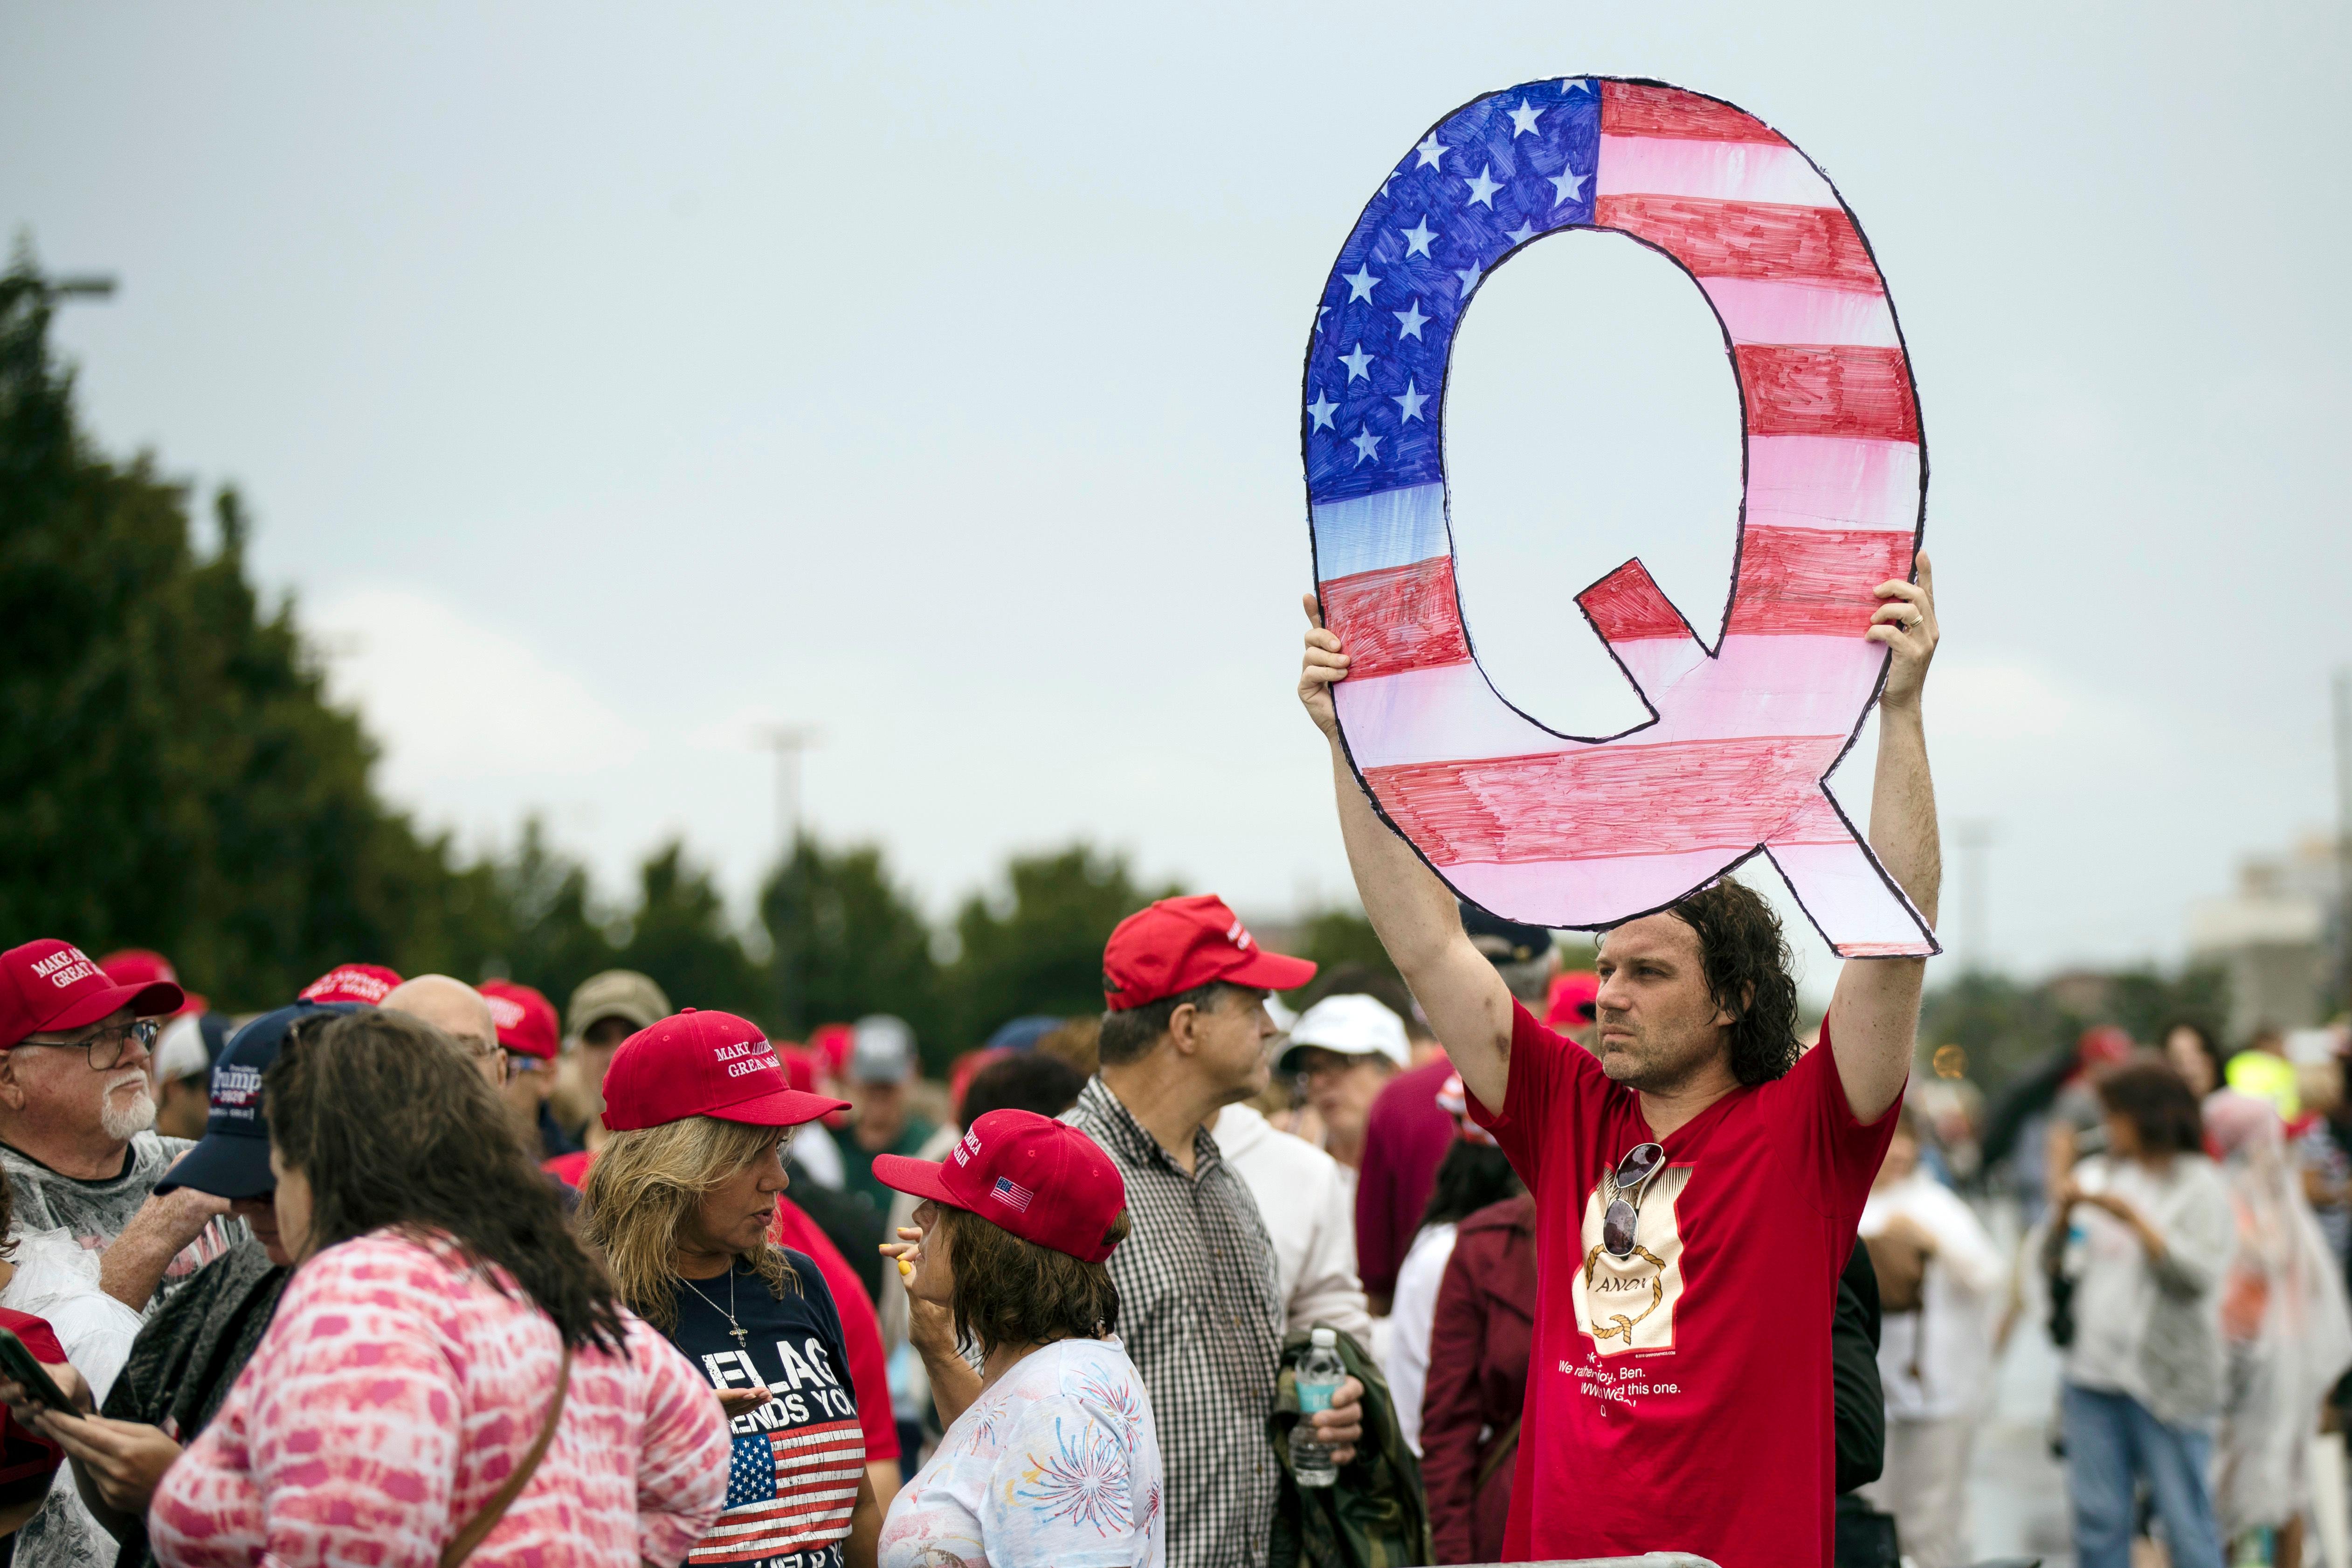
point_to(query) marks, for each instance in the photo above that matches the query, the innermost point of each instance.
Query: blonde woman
(680, 1202)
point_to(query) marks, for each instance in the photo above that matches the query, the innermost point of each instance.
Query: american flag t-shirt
(788, 1492)
(797, 1462)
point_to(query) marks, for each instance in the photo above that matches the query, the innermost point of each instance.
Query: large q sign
(1563, 830)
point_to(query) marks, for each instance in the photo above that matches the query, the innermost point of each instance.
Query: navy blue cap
(1522, 943)
(232, 1158)
(1020, 1034)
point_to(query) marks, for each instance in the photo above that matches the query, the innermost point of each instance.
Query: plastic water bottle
(1320, 1376)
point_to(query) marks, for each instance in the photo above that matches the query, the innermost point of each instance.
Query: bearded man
(75, 1117)
(1698, 1178)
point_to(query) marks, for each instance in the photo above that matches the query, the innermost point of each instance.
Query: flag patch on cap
(1011, 1193)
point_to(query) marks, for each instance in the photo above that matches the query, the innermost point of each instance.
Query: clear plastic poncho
(2284, 1323)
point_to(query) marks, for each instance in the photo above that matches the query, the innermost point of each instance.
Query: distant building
(2274, 938)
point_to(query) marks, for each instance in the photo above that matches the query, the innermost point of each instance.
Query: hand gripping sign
(1561, 830)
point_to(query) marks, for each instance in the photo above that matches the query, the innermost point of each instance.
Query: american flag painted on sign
(1570, 831)
(788, 1492)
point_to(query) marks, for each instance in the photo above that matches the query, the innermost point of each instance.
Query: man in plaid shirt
(1186, 1033)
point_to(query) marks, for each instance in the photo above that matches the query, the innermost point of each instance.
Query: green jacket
(1376, 1517)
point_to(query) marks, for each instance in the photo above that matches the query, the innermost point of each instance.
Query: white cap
(1353, 1026)
(179, 1050)
(1323, 1339)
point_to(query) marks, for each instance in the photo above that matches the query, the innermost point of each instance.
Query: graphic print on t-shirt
(1628, 1303)
(794, 1474)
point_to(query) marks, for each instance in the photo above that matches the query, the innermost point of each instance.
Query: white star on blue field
(1490, 177)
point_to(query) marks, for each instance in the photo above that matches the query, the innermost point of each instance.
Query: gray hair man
(76, 1119)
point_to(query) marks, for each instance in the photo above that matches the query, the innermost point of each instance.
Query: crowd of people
(1259, 1266)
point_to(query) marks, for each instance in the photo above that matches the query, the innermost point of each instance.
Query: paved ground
(2017, 1491)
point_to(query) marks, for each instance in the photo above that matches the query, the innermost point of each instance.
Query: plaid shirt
(1201, 1318)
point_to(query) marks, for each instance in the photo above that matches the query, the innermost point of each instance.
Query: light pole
(788, 741)
(79, 286)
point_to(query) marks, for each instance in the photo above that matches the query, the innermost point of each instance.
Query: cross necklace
(742, 1335)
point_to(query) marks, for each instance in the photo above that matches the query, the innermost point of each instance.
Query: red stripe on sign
(1748, 239)
(1808, 582)
(1398, 618)
(1626, 606)
(1628, 108)
(1601, 802)
(1828, 390)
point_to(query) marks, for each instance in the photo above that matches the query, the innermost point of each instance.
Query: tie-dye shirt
(395, 1391)
(1055, 1467)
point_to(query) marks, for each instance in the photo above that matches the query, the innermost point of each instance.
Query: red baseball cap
(53, 984)
(704, 1064)
(524, 1018)
(800, 1067)
(144, 966)
(1571, 1004)
(1043, 1180)
(830, 1042)
(366, 983)
(1178, 943)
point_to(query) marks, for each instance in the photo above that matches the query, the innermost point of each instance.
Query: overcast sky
(607, 382)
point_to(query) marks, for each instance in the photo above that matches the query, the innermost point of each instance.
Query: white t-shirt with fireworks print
(1058, 1464)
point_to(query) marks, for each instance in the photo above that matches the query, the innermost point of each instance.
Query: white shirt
(1057, 1466)
(819, 1155)
(1307, 1200)
(1411, 1318)
(56, 1281)
(1937, 1361)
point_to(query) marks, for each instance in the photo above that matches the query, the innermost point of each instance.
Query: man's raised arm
(1874, 1020)
(1412, 911)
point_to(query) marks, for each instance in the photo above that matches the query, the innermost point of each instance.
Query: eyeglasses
(106, 1044)
(1632, 1174)
(522, 1061)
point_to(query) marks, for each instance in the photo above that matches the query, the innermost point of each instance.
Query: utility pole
(1976, 838)
(789, 741)
(2343, 910)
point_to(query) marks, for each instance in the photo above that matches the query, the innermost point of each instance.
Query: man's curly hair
(1745, 956)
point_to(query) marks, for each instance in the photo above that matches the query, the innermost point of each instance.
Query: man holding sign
(1697, 1182)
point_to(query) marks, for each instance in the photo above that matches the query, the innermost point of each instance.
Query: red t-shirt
(23, 1453)
(861, 1331)
(1694, 1415)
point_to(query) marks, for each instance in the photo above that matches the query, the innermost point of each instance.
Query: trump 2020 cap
(1043, 1180)
(523, 1016)
(53, 986)
(704, 1064)
(232, 1158)
(1178, 943)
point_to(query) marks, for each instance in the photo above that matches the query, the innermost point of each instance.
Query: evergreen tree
(847, 941)
(556, 933)
(1039, 948)
(171, 775)
(681, 936)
